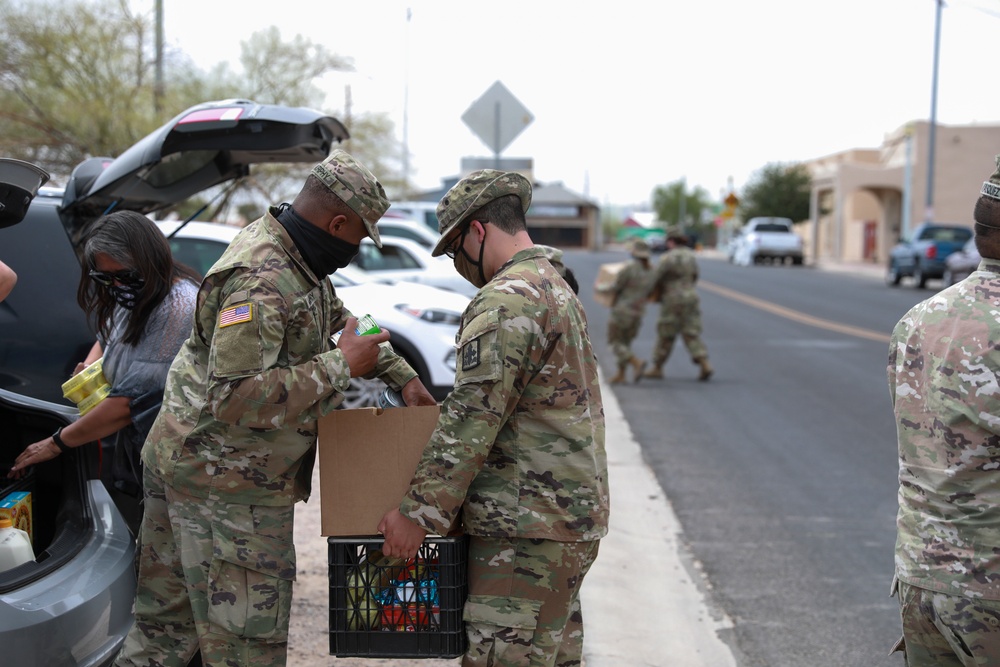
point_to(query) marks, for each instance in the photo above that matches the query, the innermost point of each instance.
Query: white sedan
(422, 319)
(403, 259)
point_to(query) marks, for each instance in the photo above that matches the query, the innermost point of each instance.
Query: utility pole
(406, 107)
(158, 84)
(929, 210)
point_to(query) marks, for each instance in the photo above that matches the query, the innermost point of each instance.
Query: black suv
(72, 604)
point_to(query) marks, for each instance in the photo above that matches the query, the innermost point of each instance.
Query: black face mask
(126, 295)
(323, 253)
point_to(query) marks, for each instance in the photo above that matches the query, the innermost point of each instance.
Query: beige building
(864, 200)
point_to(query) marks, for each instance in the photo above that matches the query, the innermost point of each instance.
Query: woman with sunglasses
(141, 304)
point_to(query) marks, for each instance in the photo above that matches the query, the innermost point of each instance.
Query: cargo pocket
(500, 629)
(250, 584)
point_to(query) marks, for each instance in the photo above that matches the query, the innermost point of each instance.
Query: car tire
(892, 275)
(919, 277)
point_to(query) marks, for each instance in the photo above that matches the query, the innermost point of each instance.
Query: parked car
(402, 259)
(407, 228)
(959, 264)
(771, 240)
(923, 255)
(72, 604)
(421, 211)
(423, 320)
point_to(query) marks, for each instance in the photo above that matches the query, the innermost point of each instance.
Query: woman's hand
(36, 452)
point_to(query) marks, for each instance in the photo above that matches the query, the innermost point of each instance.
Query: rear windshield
(949, 234)
(771, 227)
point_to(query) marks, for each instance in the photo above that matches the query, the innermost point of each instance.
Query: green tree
(78, 81)
(777, 190)
(675, 205)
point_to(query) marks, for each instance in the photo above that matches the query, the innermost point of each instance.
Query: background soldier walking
(629, 294)
(680, 308)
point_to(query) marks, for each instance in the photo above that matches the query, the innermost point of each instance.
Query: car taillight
(931, 252)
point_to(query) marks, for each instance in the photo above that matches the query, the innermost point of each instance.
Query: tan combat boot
(639, 366)
(706, 368)
(619, 377)
(655, 373)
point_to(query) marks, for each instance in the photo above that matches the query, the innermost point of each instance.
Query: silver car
(959, 264)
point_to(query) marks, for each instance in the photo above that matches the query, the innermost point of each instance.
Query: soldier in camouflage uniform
(555, 257)
(680, 308)
(629, 293)
(518, 452)
(944, 373)
(233, 447)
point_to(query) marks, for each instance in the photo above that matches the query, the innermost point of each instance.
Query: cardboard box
(366, 461)
(17, 507)
(606, 275)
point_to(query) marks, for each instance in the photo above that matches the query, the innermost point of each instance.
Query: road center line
(795, 315)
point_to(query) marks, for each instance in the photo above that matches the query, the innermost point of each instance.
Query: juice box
(17, 506)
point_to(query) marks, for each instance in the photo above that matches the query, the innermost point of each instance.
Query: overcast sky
(630, 94)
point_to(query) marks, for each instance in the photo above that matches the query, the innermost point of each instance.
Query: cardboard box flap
(366, 461)
(606, 275)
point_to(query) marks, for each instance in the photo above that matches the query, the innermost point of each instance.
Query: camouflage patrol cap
(991, 188)
(475, 191)
(640, 249)
(676, 233)
(356, 186)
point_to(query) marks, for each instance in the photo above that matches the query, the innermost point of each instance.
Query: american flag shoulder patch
(237, 314)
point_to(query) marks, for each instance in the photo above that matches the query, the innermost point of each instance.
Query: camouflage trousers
(213, 576)
(622, 330)
(524, 602)
(941, 630)
(683, 318)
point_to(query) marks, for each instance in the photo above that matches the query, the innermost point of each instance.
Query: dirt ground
(308, 641)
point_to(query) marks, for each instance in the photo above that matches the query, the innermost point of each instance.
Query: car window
(947, 234)
(398, 258)
(390, 230)
(199, 254)
(772, 227)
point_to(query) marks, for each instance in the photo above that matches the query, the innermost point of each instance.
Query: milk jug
(15, 546)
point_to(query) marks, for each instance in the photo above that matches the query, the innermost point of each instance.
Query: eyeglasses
(127, 278)
(459, 241)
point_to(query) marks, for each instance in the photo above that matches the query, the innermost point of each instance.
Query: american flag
(236, 314)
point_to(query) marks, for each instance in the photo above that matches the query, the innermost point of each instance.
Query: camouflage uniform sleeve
(250, 383)
(497, 350)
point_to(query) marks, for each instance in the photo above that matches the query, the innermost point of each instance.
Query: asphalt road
(782, 468)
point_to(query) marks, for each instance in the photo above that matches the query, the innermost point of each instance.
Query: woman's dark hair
(135, 242)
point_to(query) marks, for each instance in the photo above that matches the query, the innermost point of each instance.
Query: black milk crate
(393, 608)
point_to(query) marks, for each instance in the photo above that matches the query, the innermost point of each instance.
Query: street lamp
(929, 210)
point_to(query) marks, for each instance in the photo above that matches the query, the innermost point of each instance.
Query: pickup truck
(767, 239)
(923, 255)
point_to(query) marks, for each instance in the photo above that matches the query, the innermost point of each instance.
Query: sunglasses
(127, 278)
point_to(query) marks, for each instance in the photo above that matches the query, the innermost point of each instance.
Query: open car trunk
(61, 517)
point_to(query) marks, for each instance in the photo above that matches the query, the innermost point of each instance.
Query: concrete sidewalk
(642, 600)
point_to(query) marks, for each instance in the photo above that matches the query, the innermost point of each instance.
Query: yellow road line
(794, 314)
